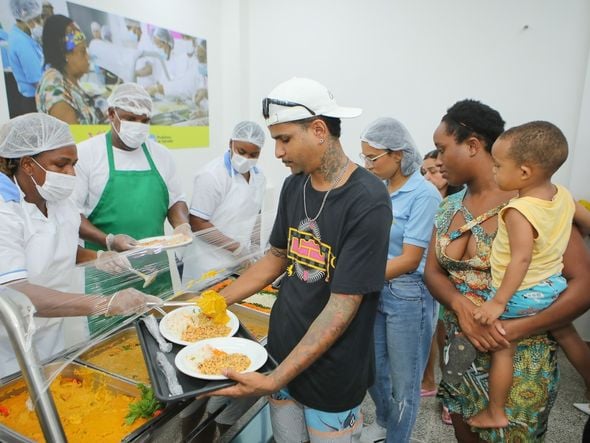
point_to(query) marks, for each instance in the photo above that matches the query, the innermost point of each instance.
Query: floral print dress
(54, 88)
(536, 375)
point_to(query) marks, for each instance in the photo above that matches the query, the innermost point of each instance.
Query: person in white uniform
(128, 187)
(39, 232)
(227, 200)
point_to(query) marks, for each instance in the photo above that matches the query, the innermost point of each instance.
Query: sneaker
(373, 433)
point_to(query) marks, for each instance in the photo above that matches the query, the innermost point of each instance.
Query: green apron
(133, 203)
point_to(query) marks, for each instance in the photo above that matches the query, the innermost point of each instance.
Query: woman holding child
(458, 275)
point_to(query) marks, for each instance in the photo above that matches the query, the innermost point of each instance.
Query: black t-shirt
(343, 252)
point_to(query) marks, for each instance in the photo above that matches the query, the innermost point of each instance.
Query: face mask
(132, 134)
(37, 32)
(242, 164)
(202, 69)
(162, 53)
(57, 187)
(132, 37)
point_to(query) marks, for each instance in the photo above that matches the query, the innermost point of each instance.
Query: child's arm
(582, 219)
(521, 235)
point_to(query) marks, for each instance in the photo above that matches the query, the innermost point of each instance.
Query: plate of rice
(208, 358)
(188, 325)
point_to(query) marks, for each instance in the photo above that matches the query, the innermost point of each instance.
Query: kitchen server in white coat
(39, 232)
(227, 200)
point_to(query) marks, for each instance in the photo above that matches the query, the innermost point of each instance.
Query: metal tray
(191, 387)
(17, 386)
(107, 345)
(255, 322)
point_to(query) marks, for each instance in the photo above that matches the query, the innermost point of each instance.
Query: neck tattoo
(334, 184)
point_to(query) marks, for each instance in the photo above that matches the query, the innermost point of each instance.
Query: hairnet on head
(31, 134)
(249, 132)
(131, 97)
(388, 133)
(25, 10)
(165, 36)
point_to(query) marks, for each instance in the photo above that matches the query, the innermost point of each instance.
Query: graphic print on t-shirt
(311, 259)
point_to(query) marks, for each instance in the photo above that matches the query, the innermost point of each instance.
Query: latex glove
(129, 301)
(112, 262)
(183, 229)
(120, 242)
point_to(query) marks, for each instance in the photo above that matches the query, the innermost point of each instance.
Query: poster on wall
(49, 64)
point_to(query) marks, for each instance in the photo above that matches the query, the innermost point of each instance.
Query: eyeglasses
(369, 161)
(273, 101)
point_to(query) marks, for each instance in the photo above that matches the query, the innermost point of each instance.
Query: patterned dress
(536, 375)
(54, 88)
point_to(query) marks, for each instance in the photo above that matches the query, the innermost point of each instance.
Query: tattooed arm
(321, 335)
(260, 274)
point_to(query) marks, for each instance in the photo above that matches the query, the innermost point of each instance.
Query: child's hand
(488, 312)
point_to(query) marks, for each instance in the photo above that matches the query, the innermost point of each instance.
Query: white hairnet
(165, 36)
(131, 97)
(94, 26)
(132, 22)
(25, 10)
(388, 133)
(31, 134)
(249, 132)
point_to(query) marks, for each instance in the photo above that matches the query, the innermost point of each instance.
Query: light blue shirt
(4, 49)
(414, 206)
(26, 61)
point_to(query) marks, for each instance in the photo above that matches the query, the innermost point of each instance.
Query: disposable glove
(129, 301)
(120, 242)
(112, 262)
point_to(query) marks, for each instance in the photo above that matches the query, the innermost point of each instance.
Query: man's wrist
(109, 239)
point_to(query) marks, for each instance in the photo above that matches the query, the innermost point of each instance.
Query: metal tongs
(170, 303)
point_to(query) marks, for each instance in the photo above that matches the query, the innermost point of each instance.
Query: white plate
(173, 332)
(164, 242)
(188, 359)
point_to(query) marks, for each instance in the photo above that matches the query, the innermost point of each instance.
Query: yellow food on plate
(213, 305)
(89, 411)
(220, 360)
(201, 327)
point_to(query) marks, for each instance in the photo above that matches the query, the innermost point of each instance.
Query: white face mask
(242, 164)
(132, 134)
(57, 186)
(37, 32)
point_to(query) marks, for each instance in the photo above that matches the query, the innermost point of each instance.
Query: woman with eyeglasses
(406, 311)
(59, 93)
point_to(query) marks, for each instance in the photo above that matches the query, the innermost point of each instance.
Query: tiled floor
(565, 422)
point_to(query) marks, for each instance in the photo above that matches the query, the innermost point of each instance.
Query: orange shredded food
(89, 411)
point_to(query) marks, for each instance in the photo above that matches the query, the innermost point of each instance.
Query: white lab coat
(42, 250)
(222, 196)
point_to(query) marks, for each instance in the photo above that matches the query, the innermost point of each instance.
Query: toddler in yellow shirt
(527, 253)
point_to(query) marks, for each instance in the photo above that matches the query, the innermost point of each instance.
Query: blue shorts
(293, 422)
(531, 301)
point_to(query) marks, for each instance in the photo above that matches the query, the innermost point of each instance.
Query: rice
(193, 326)
(220, 360)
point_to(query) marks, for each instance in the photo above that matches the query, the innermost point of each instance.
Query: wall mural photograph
(64, 59)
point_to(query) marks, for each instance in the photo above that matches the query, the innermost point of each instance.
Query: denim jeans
(403, 335)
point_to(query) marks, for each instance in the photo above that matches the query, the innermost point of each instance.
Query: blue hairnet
(249, 132)
(388, 133)
(25, 10)
(165, 36)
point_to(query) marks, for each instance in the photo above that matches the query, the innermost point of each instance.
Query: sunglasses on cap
(273, 101)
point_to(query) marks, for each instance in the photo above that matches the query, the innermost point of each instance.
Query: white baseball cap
(301, 98)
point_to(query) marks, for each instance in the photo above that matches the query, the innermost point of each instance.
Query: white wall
(413, 59)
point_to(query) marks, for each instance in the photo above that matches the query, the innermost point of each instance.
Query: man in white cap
(39, 233)
(330, 236)
(127, 183)
(24, 51)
